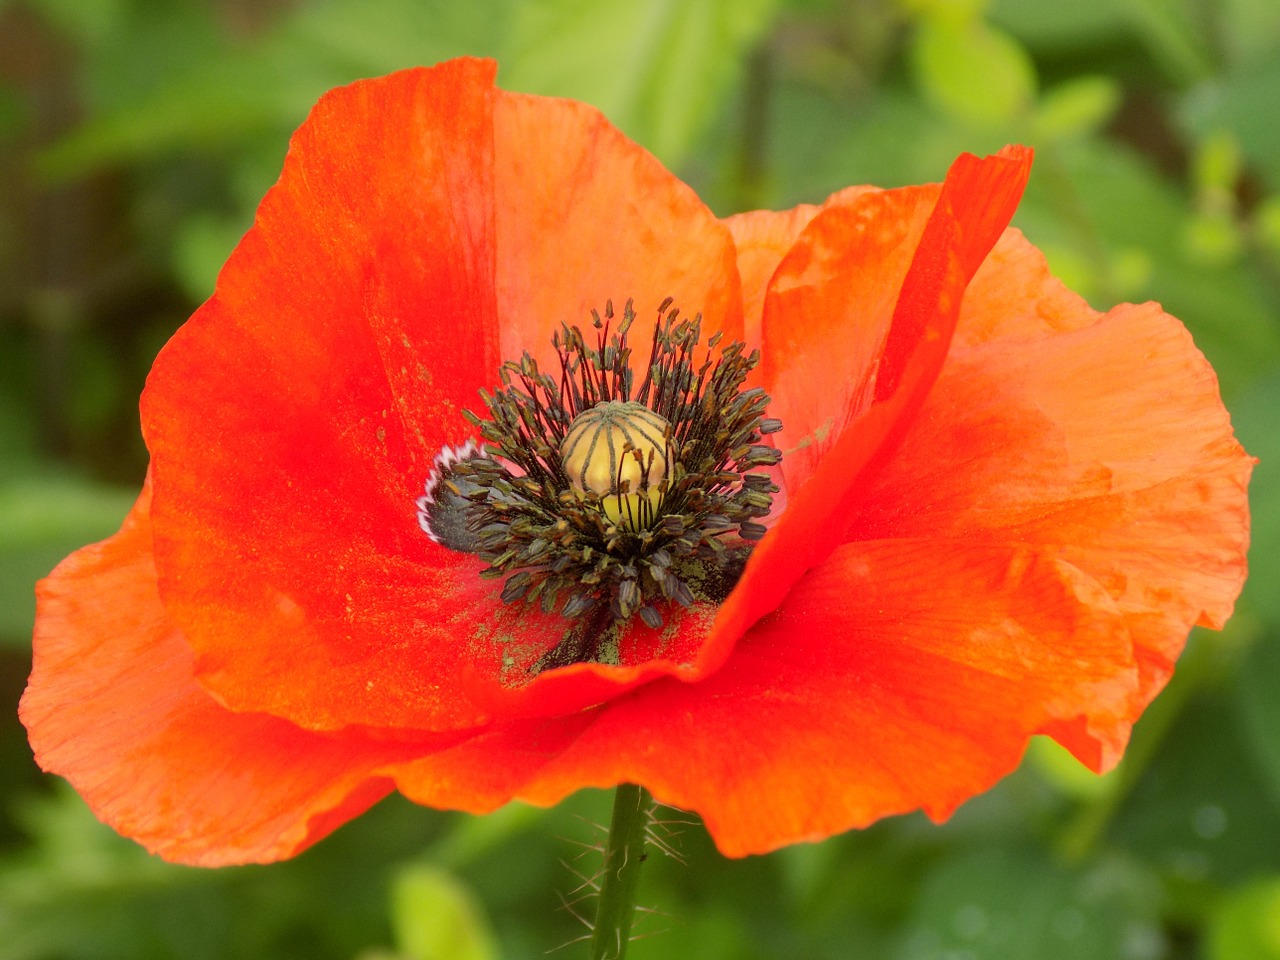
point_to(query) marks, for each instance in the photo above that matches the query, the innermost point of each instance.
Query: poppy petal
(892, 372)
(333, 424)
(113, 705)
(294, 419)
(896, 676)
(584, 216)
(762, 239)
(1099, 437)
(827, 310)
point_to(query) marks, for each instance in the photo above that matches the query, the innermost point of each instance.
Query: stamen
(443, 509)
(601, 505)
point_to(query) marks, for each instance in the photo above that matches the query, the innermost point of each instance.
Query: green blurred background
(136, 137)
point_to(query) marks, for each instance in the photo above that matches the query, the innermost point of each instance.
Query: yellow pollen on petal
(619, 451)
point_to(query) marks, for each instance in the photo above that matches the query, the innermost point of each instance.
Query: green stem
(623, 855)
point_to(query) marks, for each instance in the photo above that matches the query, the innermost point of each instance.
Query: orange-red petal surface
(359, 316)
(896, 676)
(584, 216)
(113, 705)
(1099, 438)
(828, 310)
(762, 239)
(294, 419)
(882, 387)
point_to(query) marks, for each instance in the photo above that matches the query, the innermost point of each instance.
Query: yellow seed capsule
(618, 450)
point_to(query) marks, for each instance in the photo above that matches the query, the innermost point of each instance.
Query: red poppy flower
(998, 512)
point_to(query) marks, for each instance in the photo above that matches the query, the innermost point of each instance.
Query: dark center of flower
(599, 500)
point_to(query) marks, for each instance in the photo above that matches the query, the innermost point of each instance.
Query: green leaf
(130, 48)
(81, 892)
(1242, 103)
(219, 96)
(824, 144)
(1247, 924)
(436, 918)
(1062, 28)
(1201, 806)
(657, 68)
(222, 101)
(973, 71)
(361, 38)
(1248, 29)
(1077, 106)
(1175, 33)
(1016, 904)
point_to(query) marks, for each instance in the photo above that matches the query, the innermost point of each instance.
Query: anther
(603, 499)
